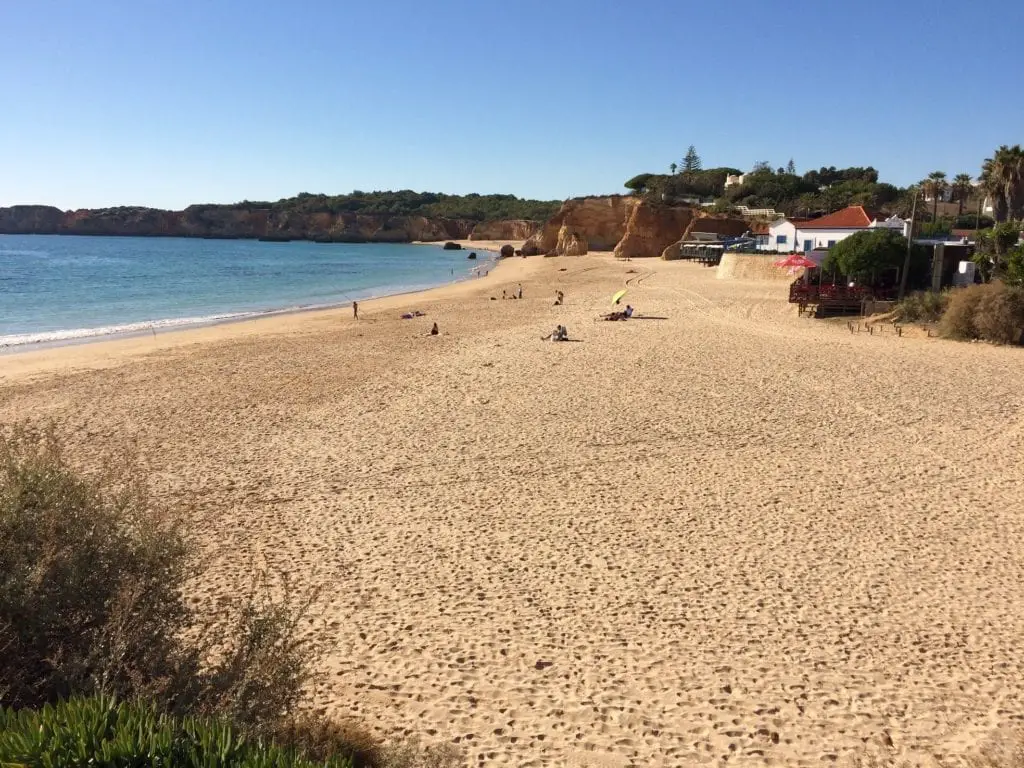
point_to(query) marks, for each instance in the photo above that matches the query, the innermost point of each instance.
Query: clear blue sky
(160, 103)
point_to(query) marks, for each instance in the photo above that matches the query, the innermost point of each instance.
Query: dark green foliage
(709, 183)
(639, 183)
(831, 175)
(995, 246)
(973, 221)
(990, 311)
(766, 189)
(99, 733)
(868, 254)
(402, 203)
(692, 162)
(1015, 267)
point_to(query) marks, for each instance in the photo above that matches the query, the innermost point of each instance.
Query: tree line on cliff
(406, 202)
(828, 189)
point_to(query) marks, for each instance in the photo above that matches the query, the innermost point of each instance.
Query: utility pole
(910, 245)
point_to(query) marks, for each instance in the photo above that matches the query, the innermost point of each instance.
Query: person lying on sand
(623, 315)
(411, 315)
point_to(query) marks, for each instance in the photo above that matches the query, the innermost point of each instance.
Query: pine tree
(791, 167)
(691, 162)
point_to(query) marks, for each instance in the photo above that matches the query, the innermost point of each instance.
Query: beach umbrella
(618, 296)
(796, 260)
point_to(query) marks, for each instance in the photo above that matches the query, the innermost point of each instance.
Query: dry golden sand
(726, 534)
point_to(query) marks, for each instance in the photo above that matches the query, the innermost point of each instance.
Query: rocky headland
(632, 227)
(231, 222)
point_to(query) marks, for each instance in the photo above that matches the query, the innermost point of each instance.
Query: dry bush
(320, 738)
(922, 307)
(958, 321)
(991, 311)
(89, 577)
(999, 316)
(92, 576)
(411, 754)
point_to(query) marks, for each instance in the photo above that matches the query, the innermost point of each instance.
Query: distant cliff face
(233, 222)
(512, 229)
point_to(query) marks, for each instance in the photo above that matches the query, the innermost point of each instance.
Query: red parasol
(796, 260)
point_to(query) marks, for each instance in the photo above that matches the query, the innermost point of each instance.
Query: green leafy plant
(867, 254)
(102, 733)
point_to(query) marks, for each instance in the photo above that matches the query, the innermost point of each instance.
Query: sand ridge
(729, 535)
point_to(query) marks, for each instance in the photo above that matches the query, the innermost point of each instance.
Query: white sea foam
(73, 334)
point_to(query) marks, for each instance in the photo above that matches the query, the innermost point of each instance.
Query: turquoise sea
(64, 288)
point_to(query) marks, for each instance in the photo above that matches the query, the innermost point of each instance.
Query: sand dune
(730, 534)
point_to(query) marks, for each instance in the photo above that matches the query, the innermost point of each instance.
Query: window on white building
(831, 243)
(780, 239)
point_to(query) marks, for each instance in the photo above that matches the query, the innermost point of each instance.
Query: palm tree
(963, 185)
(1002, 177)
(934, 186)
(672, 168)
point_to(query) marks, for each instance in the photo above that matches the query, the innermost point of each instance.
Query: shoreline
(115, 331)
(40, 357)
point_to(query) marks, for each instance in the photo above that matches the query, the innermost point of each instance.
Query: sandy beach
(715, 533)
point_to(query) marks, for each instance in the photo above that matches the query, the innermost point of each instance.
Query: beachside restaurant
(822, 292)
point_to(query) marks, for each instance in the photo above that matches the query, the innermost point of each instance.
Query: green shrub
(990, 311)
(922, 307)
(100, 733)
(92, 599)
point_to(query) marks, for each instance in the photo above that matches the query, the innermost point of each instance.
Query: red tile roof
(856, 216)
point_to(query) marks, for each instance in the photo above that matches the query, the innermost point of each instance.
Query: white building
(802, 235)
(782, 235)
(732, 180)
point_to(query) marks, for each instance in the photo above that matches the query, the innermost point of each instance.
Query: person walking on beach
(519, 291)
(355, 309)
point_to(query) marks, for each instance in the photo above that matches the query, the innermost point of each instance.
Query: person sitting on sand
(504, 294)
(434, 331)
(628, 313)
(561, 334)
(559, 296)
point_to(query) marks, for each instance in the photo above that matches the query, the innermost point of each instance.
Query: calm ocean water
(59, 288)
